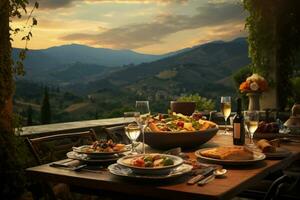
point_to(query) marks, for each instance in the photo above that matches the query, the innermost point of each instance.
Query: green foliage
(240, 76)
(202, 103)
(14, 154)
(274, 35)
(45, 109)
(17, 7)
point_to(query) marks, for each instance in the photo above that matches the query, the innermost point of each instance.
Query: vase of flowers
(254, 86)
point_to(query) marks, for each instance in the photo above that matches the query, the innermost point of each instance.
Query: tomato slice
(180, 124)
(139, 162)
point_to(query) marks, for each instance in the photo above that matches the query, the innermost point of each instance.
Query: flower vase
(254, 100)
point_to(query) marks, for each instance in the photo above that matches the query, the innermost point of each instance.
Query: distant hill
(101, 56)
(40, 64)
(200, 69)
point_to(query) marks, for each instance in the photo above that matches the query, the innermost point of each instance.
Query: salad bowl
(185, 140)
(178, 130)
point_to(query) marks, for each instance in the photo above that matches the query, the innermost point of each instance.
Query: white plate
(280, 153)
(97, 154)
(119, 170)
(125, 161)
(257, 157)
(86, 158)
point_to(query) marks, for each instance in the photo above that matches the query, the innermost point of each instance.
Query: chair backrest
(54, 147)
(117, 134)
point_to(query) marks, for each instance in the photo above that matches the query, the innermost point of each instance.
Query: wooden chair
(117, 134)
(52, 148)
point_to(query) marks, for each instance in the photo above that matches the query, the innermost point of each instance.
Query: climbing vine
(13, 154)
(274, 33)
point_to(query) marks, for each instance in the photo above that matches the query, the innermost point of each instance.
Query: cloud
(54, 4)
(139, 35)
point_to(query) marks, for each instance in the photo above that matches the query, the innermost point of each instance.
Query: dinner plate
(257, 157)
(86, 158)
(80, 149)
(280, 153)
(122, 171)
(125, 161)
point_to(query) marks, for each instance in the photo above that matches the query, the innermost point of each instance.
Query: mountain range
(204, 69)
(84, 69)
(90, 88)
(48, 65)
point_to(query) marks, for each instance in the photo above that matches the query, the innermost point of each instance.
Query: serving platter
(122, 171)
(81, 150)
(257, 157)
(85, 158)
(126, 160)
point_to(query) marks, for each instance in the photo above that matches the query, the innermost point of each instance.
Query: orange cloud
(134, 36)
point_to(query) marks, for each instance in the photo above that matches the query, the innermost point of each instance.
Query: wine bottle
(238, 125)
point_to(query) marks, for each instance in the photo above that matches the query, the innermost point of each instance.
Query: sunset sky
(146, 26)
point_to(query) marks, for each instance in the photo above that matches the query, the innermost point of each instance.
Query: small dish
(81, 150)
(126, 162)
(86, 158)
(122, 171)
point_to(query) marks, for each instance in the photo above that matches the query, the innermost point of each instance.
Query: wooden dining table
(237, 179)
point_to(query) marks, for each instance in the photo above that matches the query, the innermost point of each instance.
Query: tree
(45, 108)
(13, 152)
(202, 103)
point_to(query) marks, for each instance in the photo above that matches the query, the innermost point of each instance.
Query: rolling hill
(200, 69)
(42, 65)
(83, 90)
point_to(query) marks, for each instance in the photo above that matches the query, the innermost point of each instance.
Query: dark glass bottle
(238, 125)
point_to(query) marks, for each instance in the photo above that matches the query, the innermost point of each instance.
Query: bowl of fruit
(177, 130)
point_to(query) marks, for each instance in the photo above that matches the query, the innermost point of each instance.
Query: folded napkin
(70, 163)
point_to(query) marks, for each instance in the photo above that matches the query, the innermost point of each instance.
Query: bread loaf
(228, 153)
(265, 146)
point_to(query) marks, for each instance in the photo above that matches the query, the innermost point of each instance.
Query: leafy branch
(16, 9)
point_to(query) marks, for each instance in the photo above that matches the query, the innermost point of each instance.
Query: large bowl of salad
(177, 130)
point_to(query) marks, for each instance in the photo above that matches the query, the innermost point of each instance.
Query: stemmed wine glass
(132, 130)
(143, 108)
(251, 119)
(226, 110)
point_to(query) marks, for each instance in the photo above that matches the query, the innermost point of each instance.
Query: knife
(206, 180)
(204, 172)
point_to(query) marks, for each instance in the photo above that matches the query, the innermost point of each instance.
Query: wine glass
(132, 130)
(143, 108)
(226, 110)
(251, 119)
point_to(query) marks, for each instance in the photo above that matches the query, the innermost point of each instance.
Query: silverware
(78, 168)
(206, 180)
(200, 175)
(217, 173)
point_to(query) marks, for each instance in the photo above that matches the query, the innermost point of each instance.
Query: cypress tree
(45, 108)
